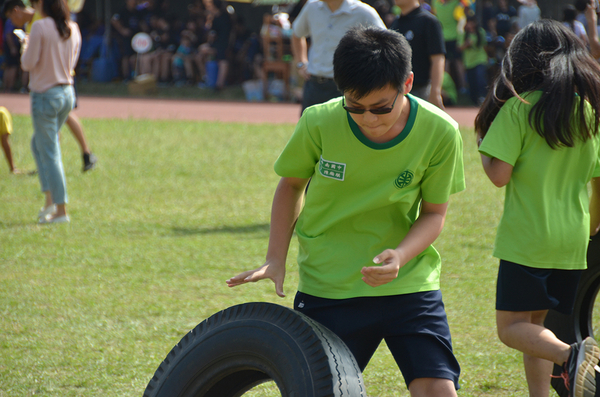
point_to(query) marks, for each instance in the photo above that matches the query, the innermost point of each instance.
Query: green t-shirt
(473, 55)
(445, 12)
(546, 222)
(363, 196)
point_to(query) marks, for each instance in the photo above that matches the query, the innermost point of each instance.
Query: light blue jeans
(49, 111)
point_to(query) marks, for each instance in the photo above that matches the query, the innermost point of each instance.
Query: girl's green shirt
(364, 197)
(474, 55)
(546, 222)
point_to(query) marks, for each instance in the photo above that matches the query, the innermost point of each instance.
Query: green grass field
(174, 209)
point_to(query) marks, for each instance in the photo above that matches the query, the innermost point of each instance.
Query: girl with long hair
(538, 136)
(50, 53)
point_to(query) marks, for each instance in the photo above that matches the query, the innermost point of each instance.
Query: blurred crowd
(212, 46)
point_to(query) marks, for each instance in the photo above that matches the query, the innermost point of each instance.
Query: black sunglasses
(374, 111)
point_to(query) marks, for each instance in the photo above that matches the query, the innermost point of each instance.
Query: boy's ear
(409, 83)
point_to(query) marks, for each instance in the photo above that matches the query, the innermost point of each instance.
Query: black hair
(581, 5)
(369, 58)
(58, 10)
(10, 5)
(547, 56)
(473, 18)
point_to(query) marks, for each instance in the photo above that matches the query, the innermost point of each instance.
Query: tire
(245, 345)
(578, 325)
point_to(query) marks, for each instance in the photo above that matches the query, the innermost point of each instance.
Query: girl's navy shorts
(523, 288)
(414, 327)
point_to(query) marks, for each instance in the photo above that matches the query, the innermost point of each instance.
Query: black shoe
(89, 161)
(579, 370)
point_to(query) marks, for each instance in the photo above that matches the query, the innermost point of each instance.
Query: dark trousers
(477, 80)
(318, 92)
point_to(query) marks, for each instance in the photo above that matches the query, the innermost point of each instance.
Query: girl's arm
(421, 235)
(498, 171)
(595, 207)
(287, 204)
(31, 48)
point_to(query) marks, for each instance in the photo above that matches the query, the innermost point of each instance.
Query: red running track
(172, 109)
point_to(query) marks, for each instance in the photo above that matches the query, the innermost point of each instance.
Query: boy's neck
(400, 124)
(407, 9)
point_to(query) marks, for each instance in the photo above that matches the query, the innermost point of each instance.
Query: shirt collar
(346, 7)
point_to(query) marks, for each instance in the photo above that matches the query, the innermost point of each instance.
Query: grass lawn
(174, 209)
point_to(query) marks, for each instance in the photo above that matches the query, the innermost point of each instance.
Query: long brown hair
(546, 56)
(58, 10)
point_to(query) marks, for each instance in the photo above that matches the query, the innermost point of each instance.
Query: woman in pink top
(50, 54)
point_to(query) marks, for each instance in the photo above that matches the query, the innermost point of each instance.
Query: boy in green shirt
(382, 165)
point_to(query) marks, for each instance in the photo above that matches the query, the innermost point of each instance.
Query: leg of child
(189, 67)
(524, 331)
(8, 153)
(89, 160)
(538, 370)
(222, 76)
(77, 130)
(424, 387)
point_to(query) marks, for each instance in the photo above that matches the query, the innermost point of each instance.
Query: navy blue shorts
(524, 289)
(414, 327)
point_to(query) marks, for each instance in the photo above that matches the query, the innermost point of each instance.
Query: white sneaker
(58, 219)
(45, 211)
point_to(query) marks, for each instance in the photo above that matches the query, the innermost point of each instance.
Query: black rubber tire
(578, 325)
(245, 345)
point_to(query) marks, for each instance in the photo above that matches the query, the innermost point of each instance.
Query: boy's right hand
(275, 272)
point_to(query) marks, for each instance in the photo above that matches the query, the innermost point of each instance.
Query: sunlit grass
(172, 211)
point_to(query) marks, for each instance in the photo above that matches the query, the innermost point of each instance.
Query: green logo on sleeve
(331, 169)
(404, 179)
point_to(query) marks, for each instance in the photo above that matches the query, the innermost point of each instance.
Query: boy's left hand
(391, 262)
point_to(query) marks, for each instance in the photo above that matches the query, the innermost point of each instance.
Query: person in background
(570, 21)
(505, 16)
(50, 53)
(580, 6)
(219, 21)
(487, 16)
(472, 43)
(541, 119)
(449, 93)
(126, 23)
(24, 16)
(182, 61)
(451, 15)
(424, 34)
(6, 128)
(12, 54)
(325, 22)
(592, 21)
(528, 12)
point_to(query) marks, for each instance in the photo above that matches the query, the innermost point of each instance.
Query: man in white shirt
(325, 22)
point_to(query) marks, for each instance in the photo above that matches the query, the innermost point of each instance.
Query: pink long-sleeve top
(48, 58)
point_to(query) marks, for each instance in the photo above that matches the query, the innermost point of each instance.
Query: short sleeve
(300, 26)
(445, 174)
(435, 38)
(301, 153)
(503, 139)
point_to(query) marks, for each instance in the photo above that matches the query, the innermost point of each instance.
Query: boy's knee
(432, 387)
